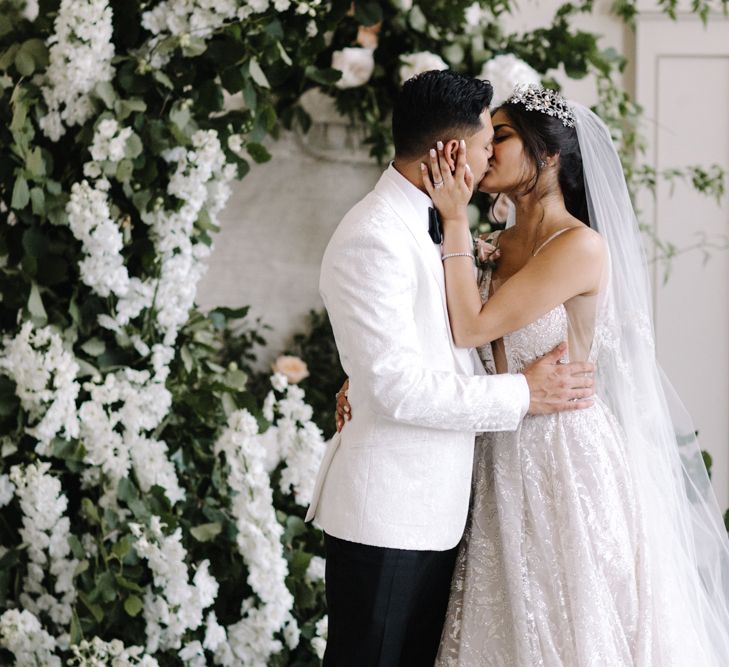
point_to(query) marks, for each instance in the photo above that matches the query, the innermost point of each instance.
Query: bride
(593, 537)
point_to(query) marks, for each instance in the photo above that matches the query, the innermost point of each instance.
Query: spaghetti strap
(551, 238)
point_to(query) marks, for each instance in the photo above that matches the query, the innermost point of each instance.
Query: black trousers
(386, 606)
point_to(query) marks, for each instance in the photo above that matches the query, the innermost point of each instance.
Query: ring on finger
(438, 184)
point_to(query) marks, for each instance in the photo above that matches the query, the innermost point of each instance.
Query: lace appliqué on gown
(554, 569)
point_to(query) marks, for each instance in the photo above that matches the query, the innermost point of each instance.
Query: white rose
(504, 72)
(417, 63)
(355, 64)
(293, 368)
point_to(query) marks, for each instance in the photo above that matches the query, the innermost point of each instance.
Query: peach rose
(367, 35)
(487, 251)
(293, 368)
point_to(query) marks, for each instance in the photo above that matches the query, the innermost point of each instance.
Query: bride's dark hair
(544, 135)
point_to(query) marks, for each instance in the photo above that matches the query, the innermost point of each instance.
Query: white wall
(683, 83)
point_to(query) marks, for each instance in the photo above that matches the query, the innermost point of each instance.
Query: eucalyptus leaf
(133, 605)
(96, 611)
(38, 50)
(124, 170)
(24, 62)
(21, 194)
(35, 306)
(7, 57)
(257, 74)
(94, 347)
(133, 147)
(206, 531)
(34, 163)
(38, 201)
(104, 90)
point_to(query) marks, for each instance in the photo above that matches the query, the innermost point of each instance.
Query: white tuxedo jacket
(399, 474)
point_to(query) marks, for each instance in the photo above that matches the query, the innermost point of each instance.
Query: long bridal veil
(688, 545)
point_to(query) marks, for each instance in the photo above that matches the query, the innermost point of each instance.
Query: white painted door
(682, 81)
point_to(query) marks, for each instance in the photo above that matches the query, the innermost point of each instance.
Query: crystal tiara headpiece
(544, 100)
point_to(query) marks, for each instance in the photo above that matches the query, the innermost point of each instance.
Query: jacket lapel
(408, 215)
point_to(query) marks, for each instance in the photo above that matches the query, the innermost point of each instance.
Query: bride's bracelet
(458, 254)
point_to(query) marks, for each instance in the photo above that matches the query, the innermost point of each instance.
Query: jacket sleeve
(368, 284)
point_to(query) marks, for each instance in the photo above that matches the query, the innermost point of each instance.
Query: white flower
(89, 218)
(21, 634)
(172, 605)
(292, 367)
(192, 654)
(319, 642)
(235, 142)
(316, 569)
(110, 140)
(7, 489)
(504, 72)
(81, 50)
(214, 633)
(30, 11)
(259, 543)
(417, 63)
(45, 377)
(279, 381)
(97, 653)
(45, 530)
(403, 5)
(355, 64)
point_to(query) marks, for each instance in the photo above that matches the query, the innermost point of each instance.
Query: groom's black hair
(437, 105)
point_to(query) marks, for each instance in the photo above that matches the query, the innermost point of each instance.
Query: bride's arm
(570, 265)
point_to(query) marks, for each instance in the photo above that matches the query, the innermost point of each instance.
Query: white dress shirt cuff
(526, 397)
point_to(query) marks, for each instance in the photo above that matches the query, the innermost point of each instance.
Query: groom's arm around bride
(392, 493)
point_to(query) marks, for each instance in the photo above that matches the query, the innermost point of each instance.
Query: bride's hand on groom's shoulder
(555, 386)
(449, 182)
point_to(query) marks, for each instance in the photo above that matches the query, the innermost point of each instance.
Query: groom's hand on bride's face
(556, 387)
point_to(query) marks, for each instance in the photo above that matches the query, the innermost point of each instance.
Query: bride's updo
(543, 135)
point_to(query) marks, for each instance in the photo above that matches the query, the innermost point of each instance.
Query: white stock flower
(279, 381)
(172, 605)
(259, 543)
(119, 411)
(110, 140)
(45, 377)
(356, 65)
(97, 653)
(504, 72)
(7, 490)
(45, 530)
(316, 569)
(189, 16)
(30, 11)
(319, 641)
(81, 50)
(193, 655)
(21, 634)
(417, 63)
(299, 442)
(89, 218)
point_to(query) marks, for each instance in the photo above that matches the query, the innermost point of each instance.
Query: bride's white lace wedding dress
(556, 567)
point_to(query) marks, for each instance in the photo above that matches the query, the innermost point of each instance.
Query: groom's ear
(450, 151)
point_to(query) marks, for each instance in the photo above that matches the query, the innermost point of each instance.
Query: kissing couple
(574, 531)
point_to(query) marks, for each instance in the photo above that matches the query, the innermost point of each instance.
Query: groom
(392, 492)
